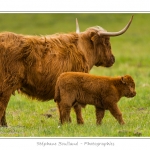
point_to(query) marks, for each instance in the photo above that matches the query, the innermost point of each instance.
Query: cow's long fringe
(36, 62)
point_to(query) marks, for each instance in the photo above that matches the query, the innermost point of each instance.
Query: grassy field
(132, 51)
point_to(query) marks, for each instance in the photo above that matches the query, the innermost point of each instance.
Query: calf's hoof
(80, 122)
(122, 123)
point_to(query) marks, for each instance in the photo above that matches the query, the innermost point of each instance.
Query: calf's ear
(123, 80)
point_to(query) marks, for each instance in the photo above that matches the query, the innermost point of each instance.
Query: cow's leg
(3, 120)
(77, 109)
(99, 115)
(4, 99)
(116, 113)
(64, 112)
(2, 114)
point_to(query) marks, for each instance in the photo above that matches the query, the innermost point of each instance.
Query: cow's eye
(131, 86)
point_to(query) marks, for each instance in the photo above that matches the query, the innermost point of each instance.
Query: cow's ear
(92, 35)
(123, 80)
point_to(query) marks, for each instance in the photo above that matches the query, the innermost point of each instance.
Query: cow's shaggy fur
(32, 64)
(74, 88)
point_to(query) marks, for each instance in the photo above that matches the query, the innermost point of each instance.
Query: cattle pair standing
(32, 64)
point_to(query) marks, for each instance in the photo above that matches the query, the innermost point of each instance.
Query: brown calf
(74, 88)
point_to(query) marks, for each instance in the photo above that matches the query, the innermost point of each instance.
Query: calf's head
(129, 86)
(96, 41)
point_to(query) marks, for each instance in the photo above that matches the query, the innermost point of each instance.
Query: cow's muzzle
(111, 61)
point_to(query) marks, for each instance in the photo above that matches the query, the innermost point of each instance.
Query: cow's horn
(77, 26)
(119, 32)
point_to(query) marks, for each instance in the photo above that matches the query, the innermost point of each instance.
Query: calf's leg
(64, 112)
(99, 115)
(116, 113)
(77, 109)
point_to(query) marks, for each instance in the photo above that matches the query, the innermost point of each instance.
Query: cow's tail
(57, 94)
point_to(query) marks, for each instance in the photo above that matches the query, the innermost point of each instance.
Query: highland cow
(32, 64)
(76, 88)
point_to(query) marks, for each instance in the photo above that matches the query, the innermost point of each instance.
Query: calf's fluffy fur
(75, 88)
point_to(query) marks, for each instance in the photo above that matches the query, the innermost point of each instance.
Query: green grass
(132, 51)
